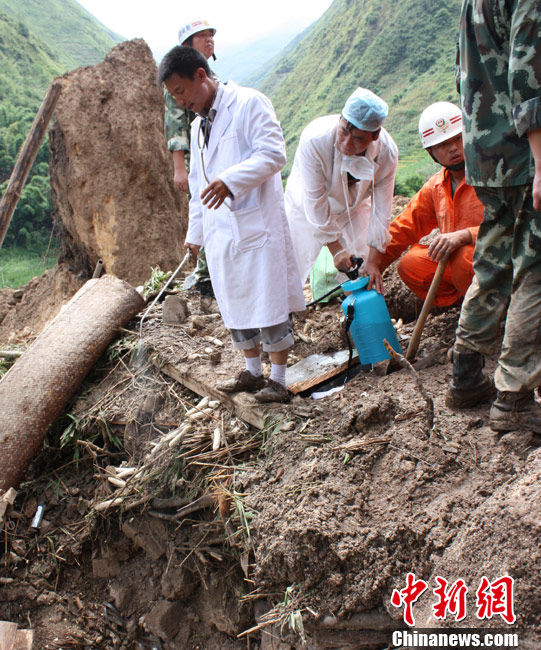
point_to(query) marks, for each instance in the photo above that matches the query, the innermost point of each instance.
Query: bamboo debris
(364, 443)
(206, 501)
(10, 354)
(289, 611)
(193, 442)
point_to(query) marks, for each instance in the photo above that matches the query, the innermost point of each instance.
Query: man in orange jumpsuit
(444, 203)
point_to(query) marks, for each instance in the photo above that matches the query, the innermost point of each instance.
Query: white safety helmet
(439, 122)
(192, 28)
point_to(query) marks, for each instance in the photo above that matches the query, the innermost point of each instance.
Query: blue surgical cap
(365, 110)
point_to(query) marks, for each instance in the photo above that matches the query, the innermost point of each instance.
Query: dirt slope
(316, 518)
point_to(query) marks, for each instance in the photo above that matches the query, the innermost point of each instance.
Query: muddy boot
(244, 381)
(511, 411)
(273, 392)
(469, 385)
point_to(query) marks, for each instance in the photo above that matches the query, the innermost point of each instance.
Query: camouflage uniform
(177, 132)
(500, 79)
(177, 126)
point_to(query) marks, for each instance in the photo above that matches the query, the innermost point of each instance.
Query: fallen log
(38, 386)
(8, 632)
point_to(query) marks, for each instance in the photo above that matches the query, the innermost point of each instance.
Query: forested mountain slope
(73, 35)
(37, 43)
(27, 66)
(404, 50)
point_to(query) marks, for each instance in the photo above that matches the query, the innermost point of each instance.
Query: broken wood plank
(316, 369)
(24, 640)
(8, 632)
(243, 405)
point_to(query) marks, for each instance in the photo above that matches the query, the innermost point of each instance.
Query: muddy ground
(299, 532)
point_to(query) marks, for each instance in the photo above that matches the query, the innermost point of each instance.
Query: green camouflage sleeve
(525, 66)
(177, 125)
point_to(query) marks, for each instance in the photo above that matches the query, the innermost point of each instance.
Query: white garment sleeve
(378, 230)
(315, 194)
(265, 140)
(195, 220)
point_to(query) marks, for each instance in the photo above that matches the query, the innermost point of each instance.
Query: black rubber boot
(469, 385)
(512, 411)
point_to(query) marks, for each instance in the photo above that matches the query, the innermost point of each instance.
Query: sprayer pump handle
(354, 273)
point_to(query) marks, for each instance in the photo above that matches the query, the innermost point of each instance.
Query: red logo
(492, 598)
(496, 598)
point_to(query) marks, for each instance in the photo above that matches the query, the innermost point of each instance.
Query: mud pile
(111, 173)
(24, 312)
(301, 530)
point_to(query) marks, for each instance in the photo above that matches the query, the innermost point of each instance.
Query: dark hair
(183, 61)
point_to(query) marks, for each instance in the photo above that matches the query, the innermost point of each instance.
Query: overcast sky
(237, 21)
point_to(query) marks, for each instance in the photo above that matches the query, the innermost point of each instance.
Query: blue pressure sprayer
(368, 322)
(367, 318)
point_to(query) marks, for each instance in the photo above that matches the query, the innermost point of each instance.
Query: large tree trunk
(38, 386)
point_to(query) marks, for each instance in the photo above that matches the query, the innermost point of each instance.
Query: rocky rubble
(302, 530)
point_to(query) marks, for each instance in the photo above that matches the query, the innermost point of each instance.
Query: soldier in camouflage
(177, 134)
(199, 35)
(500, 80)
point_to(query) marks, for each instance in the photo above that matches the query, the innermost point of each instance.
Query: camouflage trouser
(507, 266)
(201, 272)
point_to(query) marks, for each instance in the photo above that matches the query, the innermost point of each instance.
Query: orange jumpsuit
(434, 206)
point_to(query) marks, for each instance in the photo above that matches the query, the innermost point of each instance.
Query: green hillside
(403, 50)
(38, 42)
(73, 35)
(27, 67)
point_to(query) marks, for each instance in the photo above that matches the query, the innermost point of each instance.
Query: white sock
(253, 364)
(278, 373)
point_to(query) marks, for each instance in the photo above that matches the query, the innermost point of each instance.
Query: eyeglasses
(347, 127)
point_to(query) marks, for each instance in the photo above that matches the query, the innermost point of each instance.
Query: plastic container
(371, 322)
(323, 276)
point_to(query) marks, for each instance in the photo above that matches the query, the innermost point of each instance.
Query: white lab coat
(248, 247)
(320, 206)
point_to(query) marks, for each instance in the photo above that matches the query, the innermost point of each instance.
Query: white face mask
(359, 167)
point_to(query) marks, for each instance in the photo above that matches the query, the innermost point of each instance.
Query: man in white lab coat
(237, 213)
(340, 190)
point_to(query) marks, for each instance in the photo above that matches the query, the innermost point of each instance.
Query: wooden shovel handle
(427, 306)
